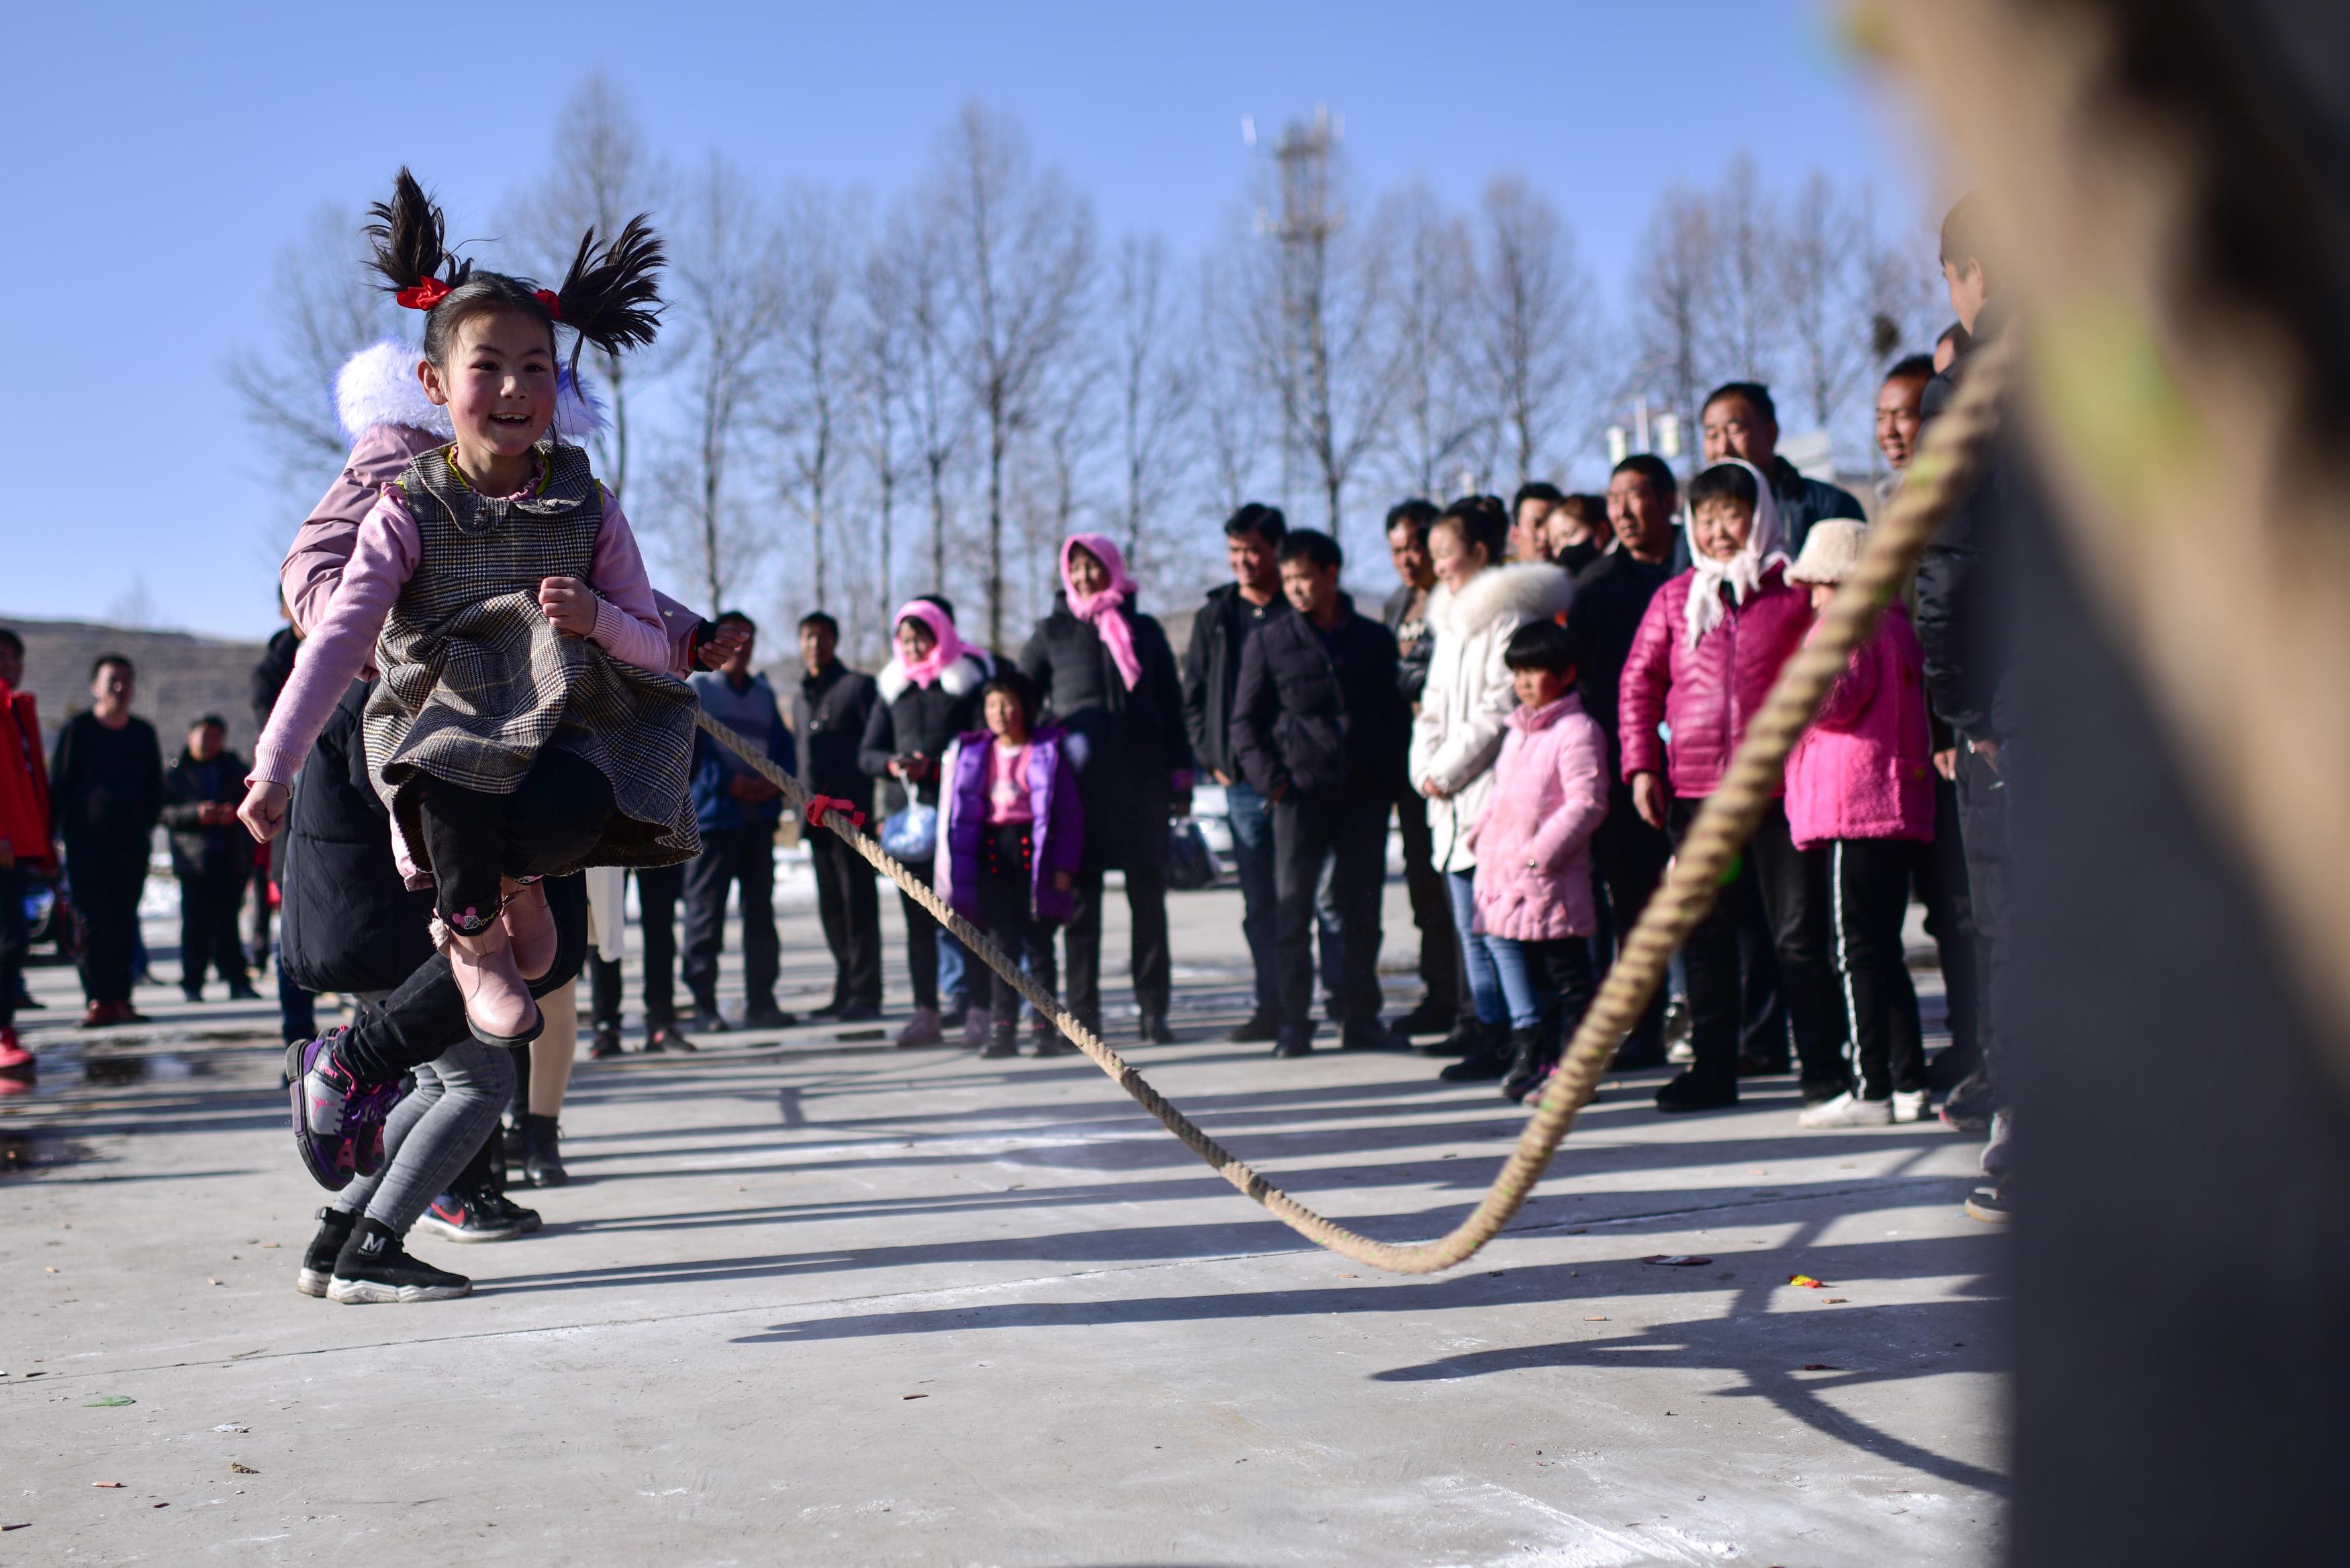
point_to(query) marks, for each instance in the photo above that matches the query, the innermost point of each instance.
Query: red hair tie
(552, 300)
(422, 295)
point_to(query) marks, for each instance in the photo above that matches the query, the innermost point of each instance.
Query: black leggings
(470, 838)
(1868, 895)
(1006, 904)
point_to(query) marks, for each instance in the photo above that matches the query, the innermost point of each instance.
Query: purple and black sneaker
(337, 1125)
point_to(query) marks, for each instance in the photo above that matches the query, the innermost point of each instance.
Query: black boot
(318, 1262)
(1488, 1057)
(542, 1160)
(1004, 1039)
(1458, 1043)
(1530, 1056)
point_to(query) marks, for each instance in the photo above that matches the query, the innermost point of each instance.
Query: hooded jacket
(1056, 831)
(1467, 697)
(1865, 768)
(1534, 844)
(907, 719)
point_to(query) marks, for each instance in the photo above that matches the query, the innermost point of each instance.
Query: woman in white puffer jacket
(1464, 715)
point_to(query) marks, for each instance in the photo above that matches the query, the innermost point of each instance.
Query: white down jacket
(1465, 707)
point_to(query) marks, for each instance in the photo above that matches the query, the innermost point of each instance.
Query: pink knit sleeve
(629, 623)
(341, 641)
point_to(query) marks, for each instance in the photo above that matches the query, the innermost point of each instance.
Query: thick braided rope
(1937, 480)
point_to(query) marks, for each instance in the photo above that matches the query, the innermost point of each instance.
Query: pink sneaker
(530, 929)
(498, 1006)
(11, 1053)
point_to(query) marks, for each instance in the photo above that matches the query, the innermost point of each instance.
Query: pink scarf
(945, 648)
(1105, 611)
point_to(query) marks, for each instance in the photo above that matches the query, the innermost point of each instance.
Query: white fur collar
(1526, 591)
(378, 386)
(966, 674)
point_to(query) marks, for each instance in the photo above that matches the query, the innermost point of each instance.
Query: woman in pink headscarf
(929, 695)
(1109, 681)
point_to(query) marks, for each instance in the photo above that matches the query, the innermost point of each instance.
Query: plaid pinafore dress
(477, 680)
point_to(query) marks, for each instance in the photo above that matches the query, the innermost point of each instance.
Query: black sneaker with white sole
(374, 1267)
(319, 1261)
(463, 1217)
(498, 1206)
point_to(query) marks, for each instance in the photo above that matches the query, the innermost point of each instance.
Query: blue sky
(161, 157)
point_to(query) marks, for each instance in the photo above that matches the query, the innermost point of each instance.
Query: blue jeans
(1251, 820)
(954, 989)
(1484, 976)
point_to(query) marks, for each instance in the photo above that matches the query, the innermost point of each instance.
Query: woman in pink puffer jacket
(1532, 844)
(1860, 791)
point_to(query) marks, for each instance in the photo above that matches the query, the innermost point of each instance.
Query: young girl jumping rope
(523, 725)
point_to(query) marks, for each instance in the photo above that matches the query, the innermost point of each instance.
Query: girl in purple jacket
(1011, 831)
(1860, 791)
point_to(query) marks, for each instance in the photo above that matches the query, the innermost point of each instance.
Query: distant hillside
(179, 675)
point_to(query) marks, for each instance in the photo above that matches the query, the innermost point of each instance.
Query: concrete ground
(817, 1301)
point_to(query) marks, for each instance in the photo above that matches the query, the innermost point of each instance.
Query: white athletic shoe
(1849, 1110)
(1912, 1104)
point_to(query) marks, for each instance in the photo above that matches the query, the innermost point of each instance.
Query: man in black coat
(106, 793)
(1405, 615)
(1611, 595)
(1319, 726)
(829, 712)
(212, 856)
(1211, 673)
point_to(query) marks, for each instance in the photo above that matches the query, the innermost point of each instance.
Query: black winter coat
(1316, 715)
(907, 718)
(1127, 746)
(829, 714)
(1211, 672)
(1411, 663)
(1966, 673)
(349, 924)
(199, 850)
(1610, 596)
(270, 673)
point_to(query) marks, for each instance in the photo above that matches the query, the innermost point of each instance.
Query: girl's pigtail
(613, 299)
(408, 236)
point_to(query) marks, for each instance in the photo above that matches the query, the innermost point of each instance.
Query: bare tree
(1744, 311)
(1313, 293)
(1440, 422)
(724, 317)
(329, 308)
(1021, 255)
(1537, 338)
(600, 176)
(942, 415)
(883, 377)
(1817, 256)
(816, 334)
(1670, 294)
(1234, 414)
(1156, 384)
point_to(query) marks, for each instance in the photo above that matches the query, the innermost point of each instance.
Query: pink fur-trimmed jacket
(1865, 768)
(1533, 842)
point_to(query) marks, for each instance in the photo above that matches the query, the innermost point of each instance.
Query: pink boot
(498, 1004)
(530, 927)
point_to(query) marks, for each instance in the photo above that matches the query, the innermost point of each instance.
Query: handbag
(911, 833)
(1190, 863)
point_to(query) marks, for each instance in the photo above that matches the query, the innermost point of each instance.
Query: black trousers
(426, 1015)
(848, 905)
(209, 905)
(14, 940)
(1868, 894)
(1791, 886)
(1007, 913)
(1940, 880)
(472, 837)
(258, 946)
(1152, 967)
(921, 940)
(1982, 824)
(1628, 861)
(740, 857)
(1432, 906)
(658, 889)
(106, 877)
(1350, 830)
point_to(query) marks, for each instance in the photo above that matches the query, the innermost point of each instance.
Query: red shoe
(98, 1014)
(11, 1056)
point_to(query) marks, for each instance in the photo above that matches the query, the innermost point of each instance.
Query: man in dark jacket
(829, 711)
(1211, 672)
(737, 812)
(1319, 728)
(1741, 420)
(297, 1017)
(106, 784)
(212, 856)
(1406, 615)
(1627, 856)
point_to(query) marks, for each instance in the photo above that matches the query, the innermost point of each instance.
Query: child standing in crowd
(1535, 906)
(1011, 834)
(1860, 789)
(525, 724)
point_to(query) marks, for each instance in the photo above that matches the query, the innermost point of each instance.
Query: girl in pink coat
(1860, 791)
(1532, 844)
